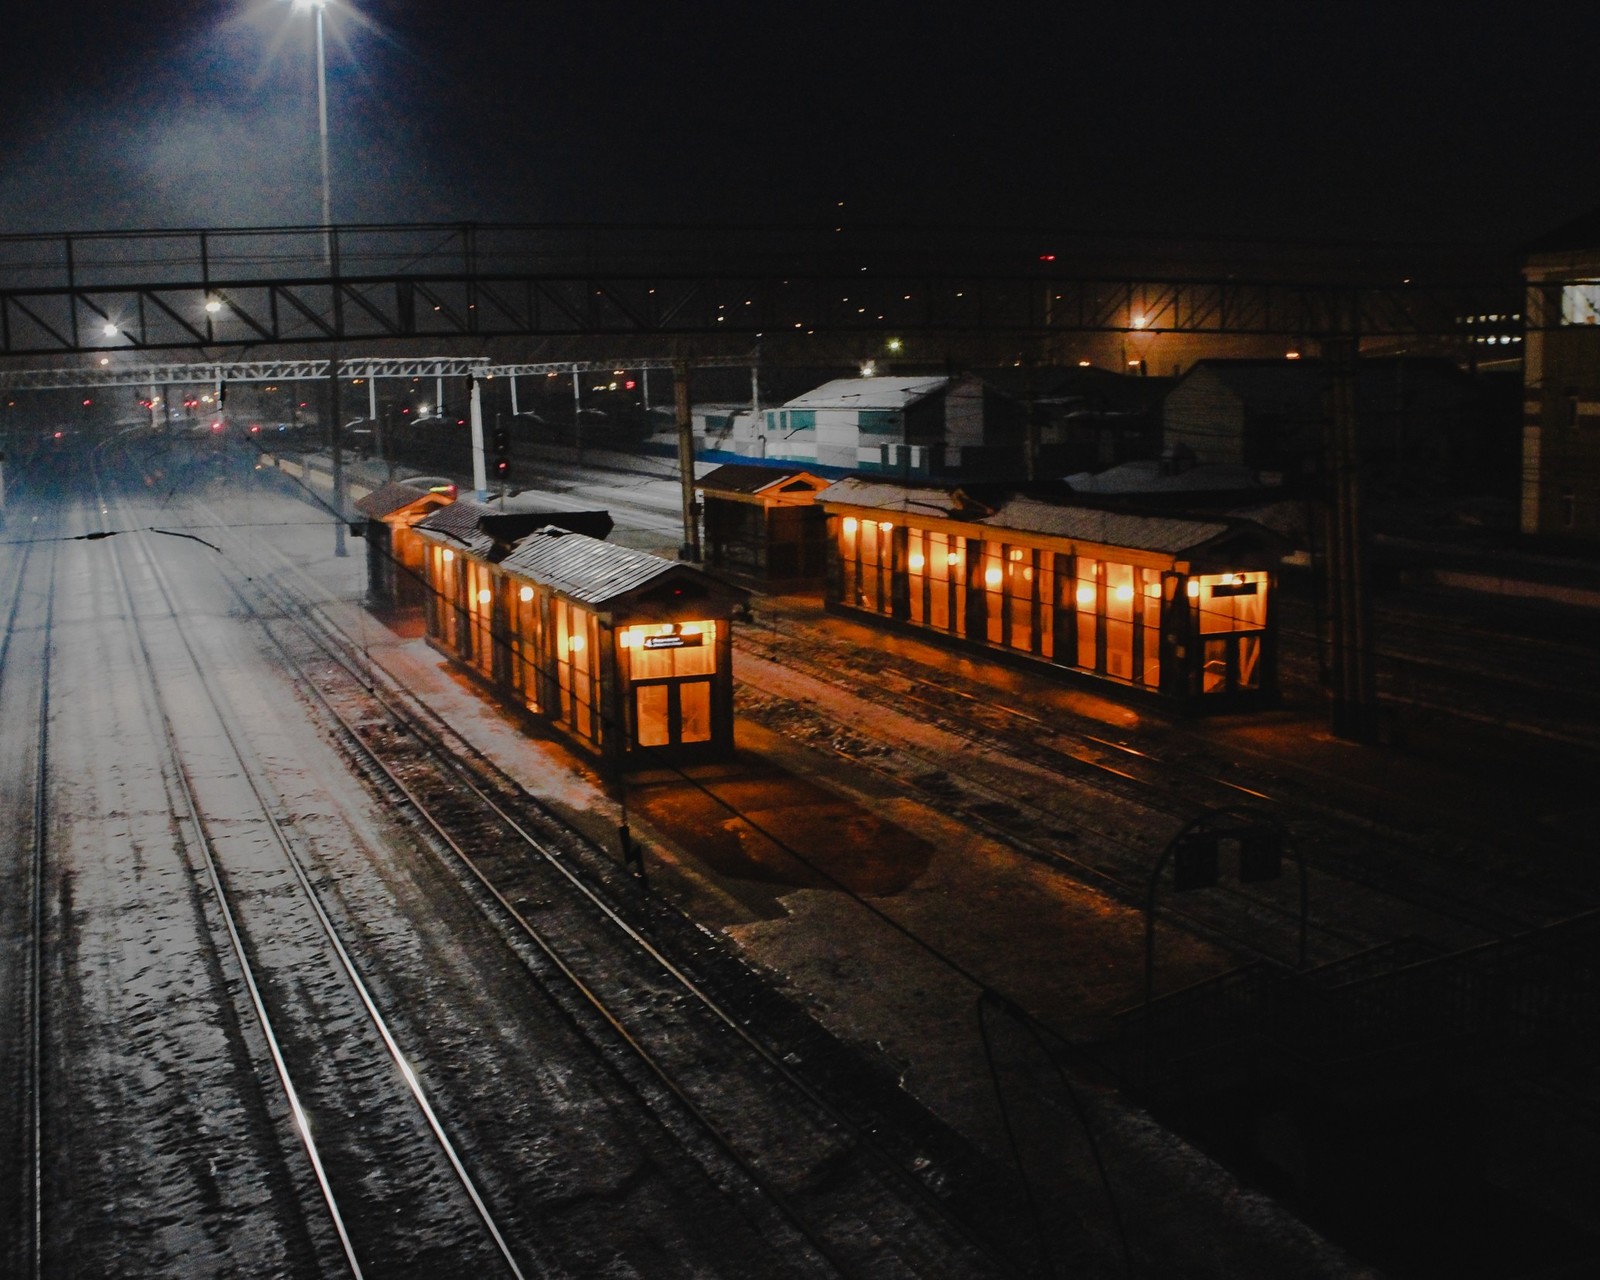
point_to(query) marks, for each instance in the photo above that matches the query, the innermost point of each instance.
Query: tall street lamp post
(317, 6)
(337, 455)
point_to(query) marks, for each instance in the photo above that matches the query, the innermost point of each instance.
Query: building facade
(1181, 610)
(1561, 386)
(627, 654)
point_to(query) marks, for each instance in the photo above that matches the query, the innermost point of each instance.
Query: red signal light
(87, 403)
(1047, 257)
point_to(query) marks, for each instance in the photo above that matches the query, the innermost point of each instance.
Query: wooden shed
(764, 522)
(394, 553)
(627, 653)
(1179, 608)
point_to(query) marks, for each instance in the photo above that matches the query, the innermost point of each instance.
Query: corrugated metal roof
(738, 477)
(1170, 535)
(458, 523)
(586, 569)
(1167, 535)
(867, 393)
(388, 498)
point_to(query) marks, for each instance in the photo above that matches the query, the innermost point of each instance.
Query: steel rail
(201, 842)
(292, 607)
(36, 951)
(1492, 920)
(594, 999)
(379, 1023)
(31, 1084)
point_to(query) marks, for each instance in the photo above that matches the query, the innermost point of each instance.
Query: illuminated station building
(627, 654)
(1178, 608)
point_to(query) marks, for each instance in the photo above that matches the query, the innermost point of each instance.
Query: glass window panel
(1119, 649)
(917, 573)
(1249, 656)
(959, 550)
(1047, 604)
(696, 657)
(1580, 302)
(1233, 602)
(1086, 601)
(994, 578)
(1019, 597)
(1215, 676)
(1250, 610)
(650, 703)
(1119, 592)
(582, 686)
(940, 576)
(528, 635)
(480, 614)
(1150, 601)
(694, 711)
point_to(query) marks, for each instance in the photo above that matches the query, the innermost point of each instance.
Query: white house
(905, 426)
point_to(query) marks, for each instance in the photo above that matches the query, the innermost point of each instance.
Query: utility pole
(690, 550)
(480, 477)
(336, 447)
(1353, 707)
(577, 416)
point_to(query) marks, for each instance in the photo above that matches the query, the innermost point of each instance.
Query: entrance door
(670, 713)
(1232, 663)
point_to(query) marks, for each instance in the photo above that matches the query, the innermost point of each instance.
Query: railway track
(677, 1017)
(284, 942)
(746, 1161)
(25, 674)
(1102, 809)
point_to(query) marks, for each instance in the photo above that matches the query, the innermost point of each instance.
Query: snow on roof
(1168, 535)
(1147, 477)
(868, 393)
(586, 569)
(458, 522)
(739, 477)
(386, 499)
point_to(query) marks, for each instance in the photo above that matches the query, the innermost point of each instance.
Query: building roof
(386, 499)
(492, 532)
(458, 522)
(749, 478)
(598, 573)
(1148, 476)
(1180, 537)
(507, 527)
(868, 393)
(1299, 385)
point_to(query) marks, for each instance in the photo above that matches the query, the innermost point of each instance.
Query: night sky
(1472, 122)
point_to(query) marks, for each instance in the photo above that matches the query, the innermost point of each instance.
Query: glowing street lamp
(322, 106)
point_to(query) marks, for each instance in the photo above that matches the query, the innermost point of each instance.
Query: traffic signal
(501, 443)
